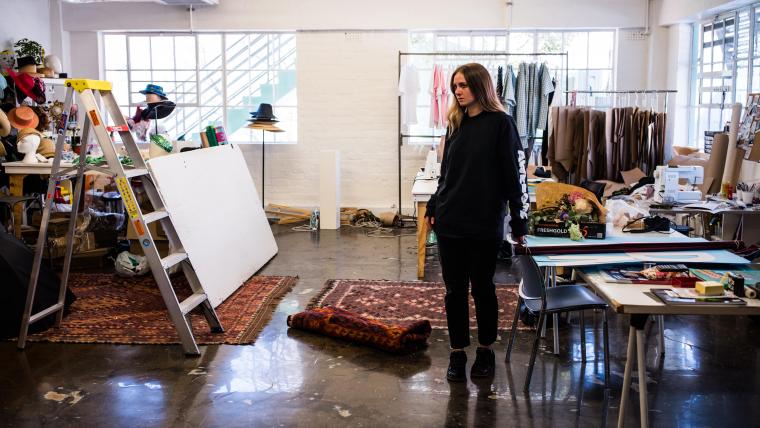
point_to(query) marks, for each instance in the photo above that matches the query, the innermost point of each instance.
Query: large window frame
(223, 77)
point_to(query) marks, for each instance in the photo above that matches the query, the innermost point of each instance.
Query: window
(588, 69)
(214, 78)
(716, 73)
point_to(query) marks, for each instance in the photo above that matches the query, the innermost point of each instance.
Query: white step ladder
(178, 311)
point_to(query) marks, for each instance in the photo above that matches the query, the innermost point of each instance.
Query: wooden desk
(421, 192)
(633, 299)
(17, 171)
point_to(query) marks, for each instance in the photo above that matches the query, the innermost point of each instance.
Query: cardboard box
(559, 230)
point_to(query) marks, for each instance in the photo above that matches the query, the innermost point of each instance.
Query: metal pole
(400, 141)
(262, 168)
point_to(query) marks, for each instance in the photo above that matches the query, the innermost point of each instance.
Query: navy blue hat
(154, 89)
(263, 114)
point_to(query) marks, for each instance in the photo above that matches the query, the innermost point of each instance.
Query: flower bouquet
(567, 211)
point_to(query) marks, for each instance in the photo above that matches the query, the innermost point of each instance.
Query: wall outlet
(635, 35)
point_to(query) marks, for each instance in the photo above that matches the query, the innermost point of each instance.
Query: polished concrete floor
(710, 374)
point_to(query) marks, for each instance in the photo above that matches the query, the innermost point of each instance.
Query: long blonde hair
(479, 81)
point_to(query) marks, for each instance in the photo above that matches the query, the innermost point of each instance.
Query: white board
(214, 206)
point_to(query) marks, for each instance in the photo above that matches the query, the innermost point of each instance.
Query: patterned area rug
(111, 309)
(396, 302)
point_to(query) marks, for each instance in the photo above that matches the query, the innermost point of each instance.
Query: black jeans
(464, 262)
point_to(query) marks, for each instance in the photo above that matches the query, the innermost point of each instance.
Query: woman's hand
(520, 240)
(429, 222)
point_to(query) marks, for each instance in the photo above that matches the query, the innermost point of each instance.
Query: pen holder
(746, 196)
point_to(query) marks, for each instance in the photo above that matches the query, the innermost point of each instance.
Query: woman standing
(483, 171)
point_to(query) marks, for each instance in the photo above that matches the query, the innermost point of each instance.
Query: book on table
(687, 296)
(646, 276)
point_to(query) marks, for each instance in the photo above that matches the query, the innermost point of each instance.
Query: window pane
(521, 42)
(601, 53)
(210, 51)
(576, 45)
(116, 46)
(162, 53)
(139, 52)
(185, 53)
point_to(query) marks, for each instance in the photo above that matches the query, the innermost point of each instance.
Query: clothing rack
(472, 54)
(667, 92)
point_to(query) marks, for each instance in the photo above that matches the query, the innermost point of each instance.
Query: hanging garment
(596, 167)
(408, 89)
(500, 84)
(545, 136)
(545, 94)
(521, 102)
(439, 98)
(510, 82)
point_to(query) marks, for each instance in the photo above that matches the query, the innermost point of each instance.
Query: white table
(614, 236)
(17, 171)
(633, 299)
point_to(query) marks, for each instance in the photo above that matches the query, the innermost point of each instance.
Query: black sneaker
(457, 369)
(485, 363)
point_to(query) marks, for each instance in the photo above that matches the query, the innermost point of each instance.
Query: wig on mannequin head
(481, 85)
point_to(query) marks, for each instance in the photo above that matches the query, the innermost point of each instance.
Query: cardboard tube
(716, 164)
(733, 134)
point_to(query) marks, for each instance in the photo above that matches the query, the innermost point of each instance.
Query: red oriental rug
(111, 309)
(397, 302)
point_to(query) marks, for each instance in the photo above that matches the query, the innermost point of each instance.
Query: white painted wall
(25, 19)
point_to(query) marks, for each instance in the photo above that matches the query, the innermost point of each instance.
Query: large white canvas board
(214, 206)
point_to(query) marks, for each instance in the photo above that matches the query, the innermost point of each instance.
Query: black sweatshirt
(483, 170)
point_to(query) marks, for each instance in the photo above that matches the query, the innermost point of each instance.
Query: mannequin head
(27, 142)
(28, 146)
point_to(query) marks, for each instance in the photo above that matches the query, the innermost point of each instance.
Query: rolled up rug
(335, 322)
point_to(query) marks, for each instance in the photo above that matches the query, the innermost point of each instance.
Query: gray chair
(549, 301)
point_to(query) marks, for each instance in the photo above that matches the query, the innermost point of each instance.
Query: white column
(329, 189)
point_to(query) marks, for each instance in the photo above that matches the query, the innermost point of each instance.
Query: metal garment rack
(667, 93)
(505, 55)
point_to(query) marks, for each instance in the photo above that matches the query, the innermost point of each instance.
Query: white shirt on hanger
(408, 89)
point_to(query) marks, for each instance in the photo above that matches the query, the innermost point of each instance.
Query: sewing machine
(667, 182)
(432, 167)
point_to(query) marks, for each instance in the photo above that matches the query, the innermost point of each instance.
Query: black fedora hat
(264, 114)
(158, 110)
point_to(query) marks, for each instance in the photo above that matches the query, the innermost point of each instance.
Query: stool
(12, 201)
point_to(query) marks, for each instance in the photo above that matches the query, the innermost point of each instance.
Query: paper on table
(682, 256)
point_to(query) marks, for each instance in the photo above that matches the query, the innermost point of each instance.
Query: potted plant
(26, 47)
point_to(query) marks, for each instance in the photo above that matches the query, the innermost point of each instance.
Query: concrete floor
(710, 375)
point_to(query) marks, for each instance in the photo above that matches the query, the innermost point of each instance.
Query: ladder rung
(173, 259)
(136, 172)
(42, 314)
(191, 302)
(155, 216)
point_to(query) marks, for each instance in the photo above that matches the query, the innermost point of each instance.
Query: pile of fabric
(346, 325)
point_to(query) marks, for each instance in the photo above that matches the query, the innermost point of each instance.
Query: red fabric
(334, 322)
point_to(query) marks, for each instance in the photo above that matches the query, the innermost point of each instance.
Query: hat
(158, 110)
(3, 85)
(23, 117)
(154, 89)
(28, 131)
(54, 63)
(27, 64)
(28, 86)
(266, 126)
(263, 114)
(5, 125)
(46, 148)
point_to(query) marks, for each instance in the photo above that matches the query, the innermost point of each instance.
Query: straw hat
(265, 126)
(547, 195)
(23, 117)
(46, 148)
(26, 64)
(29, 131)
(5, 125)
